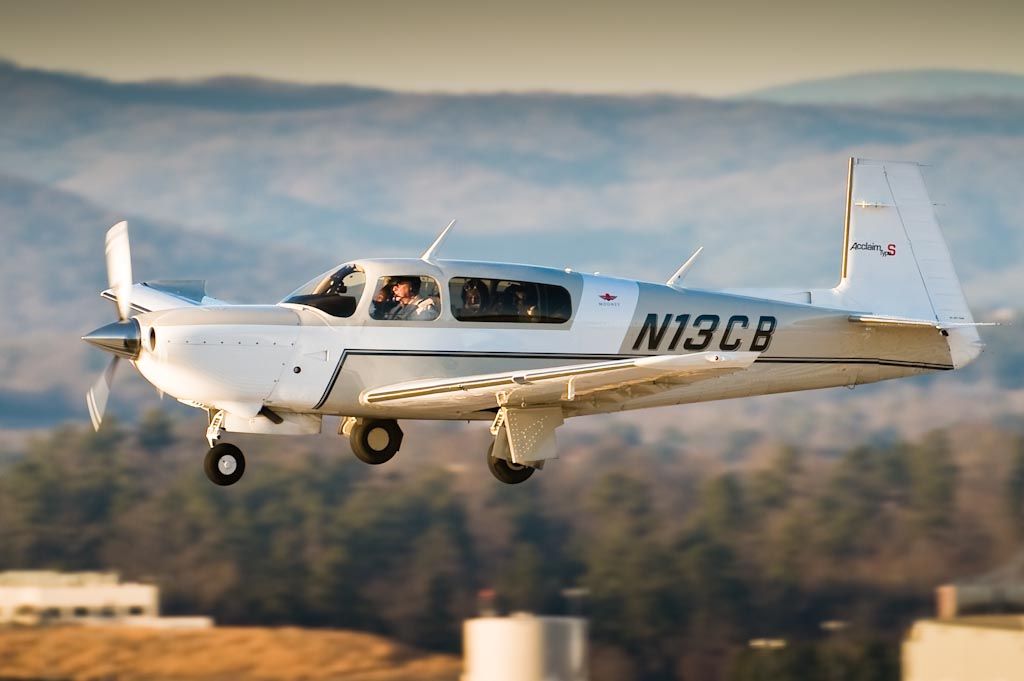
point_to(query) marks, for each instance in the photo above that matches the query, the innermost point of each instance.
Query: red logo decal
(607, 296)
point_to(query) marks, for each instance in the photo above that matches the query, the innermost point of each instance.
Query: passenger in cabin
(475, 298)
(526, 303)
(409, 304)
(506, 303)
(519, 302)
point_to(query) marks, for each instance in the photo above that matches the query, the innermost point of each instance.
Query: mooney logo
(607, 296)
(884, 251)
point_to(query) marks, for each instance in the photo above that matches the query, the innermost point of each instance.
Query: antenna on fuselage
(676, 278)
(429, 253)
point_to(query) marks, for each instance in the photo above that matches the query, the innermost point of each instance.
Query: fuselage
(308, 356)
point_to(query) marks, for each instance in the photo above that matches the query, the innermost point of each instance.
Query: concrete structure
(524, 647)
(38, 597)
(998, 591)
(960, 599)
(978, 648)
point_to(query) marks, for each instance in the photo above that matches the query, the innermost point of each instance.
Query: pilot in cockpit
(409, 304)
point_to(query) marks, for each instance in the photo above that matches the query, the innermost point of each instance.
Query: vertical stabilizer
(895, 260)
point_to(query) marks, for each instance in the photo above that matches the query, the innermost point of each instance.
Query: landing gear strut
(375, 441)
(224, 464)
(506, 471)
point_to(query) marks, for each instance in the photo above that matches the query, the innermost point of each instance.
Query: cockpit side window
(406, 298)
(337, 294)
(474, 299)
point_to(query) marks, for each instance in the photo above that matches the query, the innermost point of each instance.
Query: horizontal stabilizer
(883, 320)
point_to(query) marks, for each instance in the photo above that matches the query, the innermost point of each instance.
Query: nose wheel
(224, 464)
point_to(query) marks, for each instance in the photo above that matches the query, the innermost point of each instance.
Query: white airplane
(525, 348)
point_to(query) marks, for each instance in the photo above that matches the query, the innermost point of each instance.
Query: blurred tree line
(684, 561)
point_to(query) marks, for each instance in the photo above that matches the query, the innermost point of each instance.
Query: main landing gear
(376, 441)
(373, 441)
(506, 471)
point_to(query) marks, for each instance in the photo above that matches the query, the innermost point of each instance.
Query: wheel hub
(378, 438)
(227, 464)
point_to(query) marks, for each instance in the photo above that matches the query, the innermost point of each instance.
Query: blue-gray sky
(458, 45)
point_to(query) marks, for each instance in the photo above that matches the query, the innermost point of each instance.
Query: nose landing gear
(224, 464)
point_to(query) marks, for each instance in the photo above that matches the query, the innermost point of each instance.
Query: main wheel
(224, 464)
(506, 471)
(375, 441)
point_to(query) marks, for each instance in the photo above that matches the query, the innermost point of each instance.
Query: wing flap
(556, 384)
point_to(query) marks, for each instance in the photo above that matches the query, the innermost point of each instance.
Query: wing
(149, 296)
(537, 387)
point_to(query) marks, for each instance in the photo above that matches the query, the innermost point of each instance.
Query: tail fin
(895, 261)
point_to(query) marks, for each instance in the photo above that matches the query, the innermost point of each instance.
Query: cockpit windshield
(337, 293)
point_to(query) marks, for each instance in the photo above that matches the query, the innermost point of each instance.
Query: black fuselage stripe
(878, 361)
(334, 379)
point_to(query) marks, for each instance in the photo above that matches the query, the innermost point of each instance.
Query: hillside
(624, 185)
(220, 654)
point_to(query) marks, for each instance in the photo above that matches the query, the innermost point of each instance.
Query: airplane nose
(124, 339)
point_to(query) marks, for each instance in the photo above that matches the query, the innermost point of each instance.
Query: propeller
(96, 398)
(123, 338)
(119, 267)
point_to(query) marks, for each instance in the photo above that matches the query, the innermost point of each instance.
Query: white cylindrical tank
(524, 647)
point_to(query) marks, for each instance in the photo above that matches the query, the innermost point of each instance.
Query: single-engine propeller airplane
(525, 347)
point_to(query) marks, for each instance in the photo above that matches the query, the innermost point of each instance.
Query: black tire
(506, 471)
(368, 443)
(224, 464)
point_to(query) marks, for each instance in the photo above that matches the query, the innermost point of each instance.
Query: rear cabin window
(502, 300)
(336, 294)
(403, 297)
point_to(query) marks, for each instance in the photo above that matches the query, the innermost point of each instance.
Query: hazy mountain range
(874, 88)
(257, 186)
